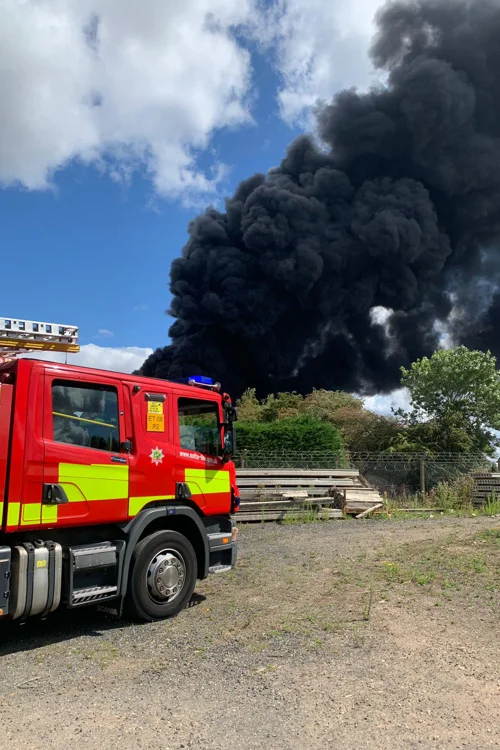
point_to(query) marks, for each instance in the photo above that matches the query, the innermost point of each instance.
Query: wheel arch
(169, 518)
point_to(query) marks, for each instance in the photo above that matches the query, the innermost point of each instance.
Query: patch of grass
(332, 627)
(391, 571)
(307, 515)
(492, 506)
(452, 564)
(475, 564)
(423, 578)
(491, 535)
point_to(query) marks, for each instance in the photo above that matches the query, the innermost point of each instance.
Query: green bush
(292, 435)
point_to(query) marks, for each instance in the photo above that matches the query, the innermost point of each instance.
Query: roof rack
(20, 336)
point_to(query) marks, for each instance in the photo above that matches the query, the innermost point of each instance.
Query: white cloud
(129, 85)
(384, 404)
(124, 84)
(118, 359)
(321, 47)
(103, 333)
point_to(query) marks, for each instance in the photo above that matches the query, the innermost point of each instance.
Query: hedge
(294, 435)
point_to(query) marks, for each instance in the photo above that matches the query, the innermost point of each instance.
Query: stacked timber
(486, 485)
(273, 494)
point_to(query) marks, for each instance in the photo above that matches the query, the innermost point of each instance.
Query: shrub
(290, 435)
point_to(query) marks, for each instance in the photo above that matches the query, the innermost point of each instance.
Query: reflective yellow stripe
(13, 510)
(36, 513)
(206, 481)
(49, 513)
(136, 504)
(31, 513)
(95, 482)
(1, 514)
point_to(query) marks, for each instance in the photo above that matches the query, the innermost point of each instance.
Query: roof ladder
(21, 336)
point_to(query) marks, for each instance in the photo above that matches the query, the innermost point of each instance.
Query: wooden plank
(262, 482)
(355, 508)
(265, 491)
(370, 510)
(278, 515)
(363, 503)
(290, 502)
(297, 472)
(364, 500)
(312, 492)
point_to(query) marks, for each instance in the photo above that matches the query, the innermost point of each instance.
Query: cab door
(86, 475)
(152, 457)
(198, 438)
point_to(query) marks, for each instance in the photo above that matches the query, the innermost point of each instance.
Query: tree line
(454, 406)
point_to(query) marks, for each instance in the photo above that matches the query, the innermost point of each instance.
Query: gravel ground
(375, 634)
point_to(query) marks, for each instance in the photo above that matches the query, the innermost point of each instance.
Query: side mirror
(231, 413)
(229, 442)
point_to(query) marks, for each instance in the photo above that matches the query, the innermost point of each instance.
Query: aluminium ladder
(20, 336)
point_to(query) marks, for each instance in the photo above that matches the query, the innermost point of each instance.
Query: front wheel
(163, 576)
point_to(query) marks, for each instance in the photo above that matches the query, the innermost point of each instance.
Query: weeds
(492, 505)
(368, 606)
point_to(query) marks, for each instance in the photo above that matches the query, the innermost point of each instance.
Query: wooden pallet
(270, 493)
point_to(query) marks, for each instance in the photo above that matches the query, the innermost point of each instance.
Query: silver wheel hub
(166, 576)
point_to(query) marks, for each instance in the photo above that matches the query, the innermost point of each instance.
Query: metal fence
(395, 474)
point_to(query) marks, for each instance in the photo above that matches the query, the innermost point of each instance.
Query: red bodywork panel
(6, 394)
(99, 485)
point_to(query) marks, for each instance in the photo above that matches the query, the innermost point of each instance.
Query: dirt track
(330, 635)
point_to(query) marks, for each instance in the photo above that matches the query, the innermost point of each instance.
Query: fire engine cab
(114, 488)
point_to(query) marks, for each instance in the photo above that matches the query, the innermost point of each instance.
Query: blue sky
(111, 141)
(95, 253)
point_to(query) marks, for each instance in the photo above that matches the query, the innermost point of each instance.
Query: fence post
(422, 475)
(243, 456)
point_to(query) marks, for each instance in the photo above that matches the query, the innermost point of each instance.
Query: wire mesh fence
(395, 474)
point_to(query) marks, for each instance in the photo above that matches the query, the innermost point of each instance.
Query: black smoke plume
(397, 207)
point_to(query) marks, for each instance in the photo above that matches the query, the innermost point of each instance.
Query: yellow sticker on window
(155, 407)
(156, 423)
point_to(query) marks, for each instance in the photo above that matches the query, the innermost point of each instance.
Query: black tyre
(162, 577)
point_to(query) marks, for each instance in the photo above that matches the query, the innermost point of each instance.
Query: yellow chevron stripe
(95, 482)
(13, 511)
(49, 513)
(136, 504)
(31, 513)
(206, 481)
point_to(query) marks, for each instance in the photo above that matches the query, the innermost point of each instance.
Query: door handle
(53, 494)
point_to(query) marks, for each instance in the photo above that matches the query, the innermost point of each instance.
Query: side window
(199, 428)
(85, 415)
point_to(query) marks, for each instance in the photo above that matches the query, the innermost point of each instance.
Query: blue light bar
(200, 379)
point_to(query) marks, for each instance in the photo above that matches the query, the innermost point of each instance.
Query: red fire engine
(114, 488)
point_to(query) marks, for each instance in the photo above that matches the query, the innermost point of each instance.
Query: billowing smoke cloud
(398, 207)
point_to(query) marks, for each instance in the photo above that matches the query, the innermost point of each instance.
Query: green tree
(362, 430)
(326, 405)
(249, 407)
(455, 402)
